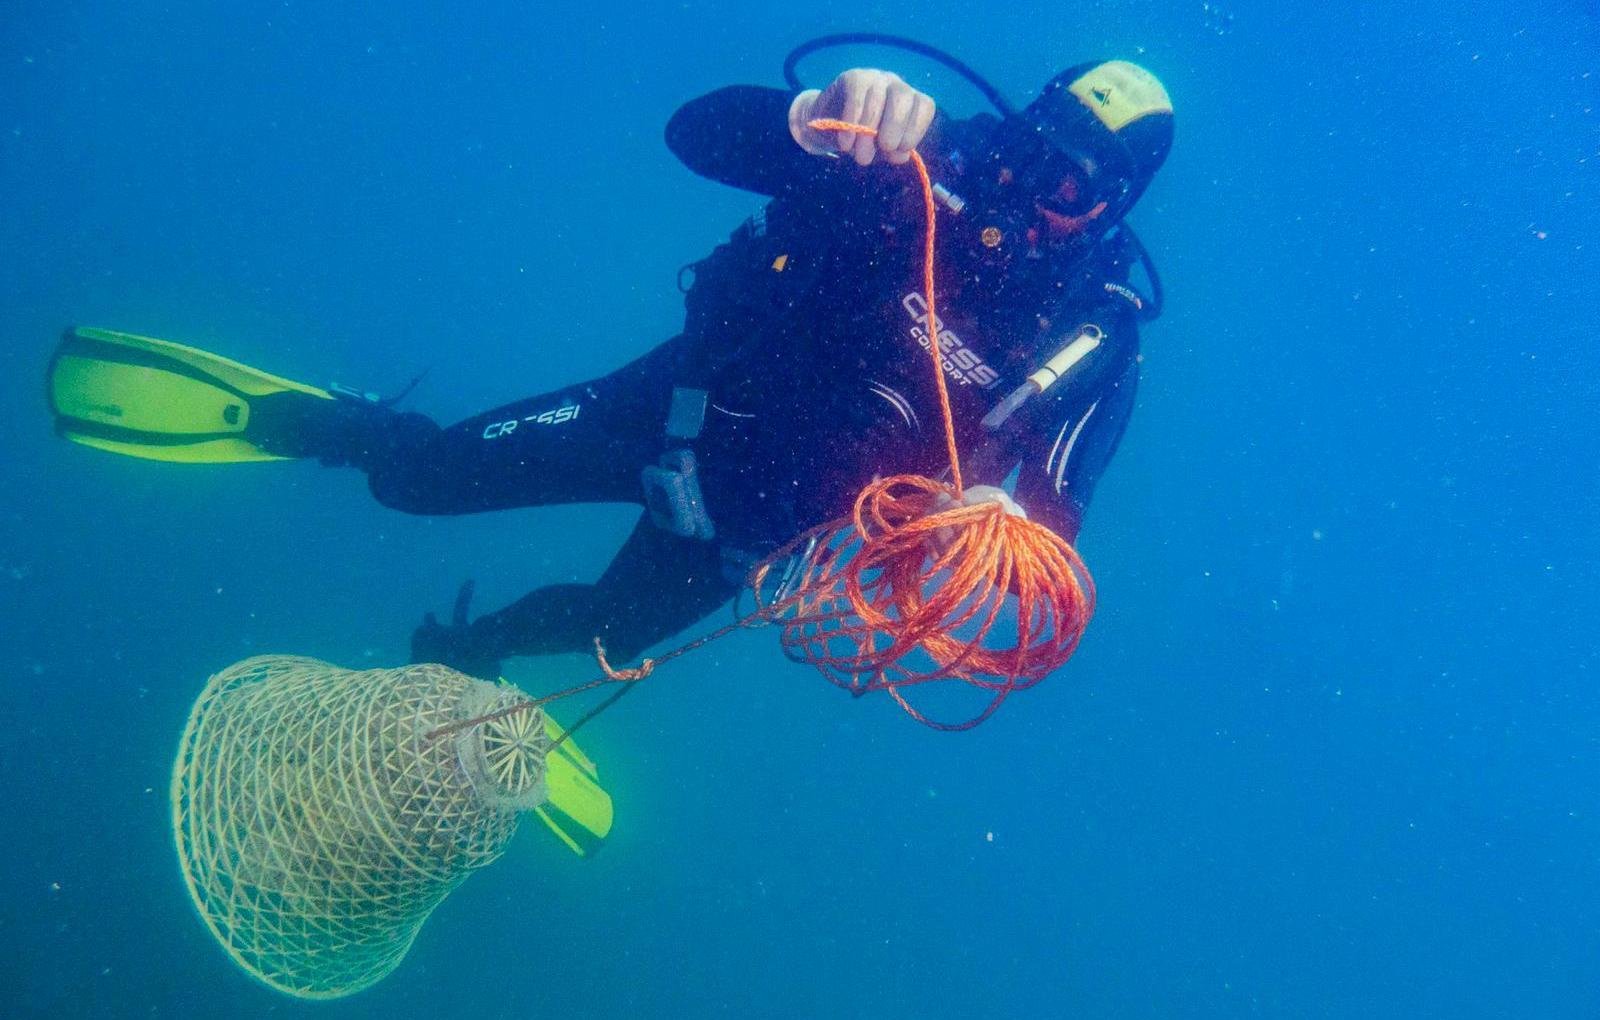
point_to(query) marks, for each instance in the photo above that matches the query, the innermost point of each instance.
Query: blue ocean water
(1329, 750)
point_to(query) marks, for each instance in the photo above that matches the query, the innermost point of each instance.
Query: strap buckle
(673, 498)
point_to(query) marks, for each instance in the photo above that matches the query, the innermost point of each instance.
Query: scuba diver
(801, 372)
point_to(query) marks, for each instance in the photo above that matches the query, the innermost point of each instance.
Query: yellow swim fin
(578, 811)
(159, 400)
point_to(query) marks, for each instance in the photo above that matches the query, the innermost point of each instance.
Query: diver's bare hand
(871, 98)
(943, 538)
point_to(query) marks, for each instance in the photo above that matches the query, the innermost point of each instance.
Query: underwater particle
(988, 837)
(1216, 19)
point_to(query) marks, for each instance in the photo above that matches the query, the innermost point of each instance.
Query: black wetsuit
(806, 331)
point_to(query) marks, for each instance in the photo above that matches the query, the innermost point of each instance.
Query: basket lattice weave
(318, 827)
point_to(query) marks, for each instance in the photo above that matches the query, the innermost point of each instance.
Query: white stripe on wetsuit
(1066, 455)
(898, 402)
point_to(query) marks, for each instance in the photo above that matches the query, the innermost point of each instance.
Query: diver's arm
(739, 136)
(757, 138)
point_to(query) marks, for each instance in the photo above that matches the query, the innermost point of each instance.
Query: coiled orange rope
(911, 588)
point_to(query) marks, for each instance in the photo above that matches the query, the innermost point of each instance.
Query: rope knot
(639, 672)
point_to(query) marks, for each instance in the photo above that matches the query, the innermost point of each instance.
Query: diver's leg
(657, 585)
(584, 443)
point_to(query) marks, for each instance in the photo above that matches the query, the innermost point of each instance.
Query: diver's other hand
(453, 644)
(975, 494)
(943, 538)
(869, 97)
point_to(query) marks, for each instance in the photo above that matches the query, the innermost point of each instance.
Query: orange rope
(875, 610)
(928, 211)
(608, 675)
(908, 588)
(644, 669)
